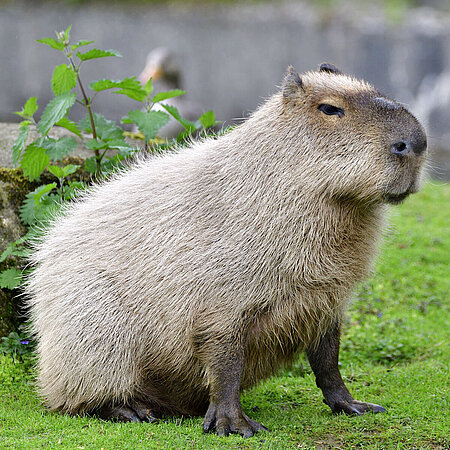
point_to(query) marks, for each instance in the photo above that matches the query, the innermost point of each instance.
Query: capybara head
(353, 142)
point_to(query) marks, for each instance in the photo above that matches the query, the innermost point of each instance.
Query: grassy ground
(395, 352)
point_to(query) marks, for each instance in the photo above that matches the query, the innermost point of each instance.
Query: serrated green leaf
(169, 94)
(149, 122)
(148, 87)
(97, 53)
(69, 125)
(130, 87)
(55, 111)
(96, 144)
(67, 33)
(64, 79)
(15, 248)
(126, 119)
(57, 149)
(57, 171)
(90, 165)
(187, 124)
(208, 119)
(69, 169)
(72, 190)
(9, 251)
(81, 43)
(19, 143)
(39, 205)
(53, 43)
(41, 192)
(30, 106)
(28, 109)
(10, 278)
(138, 95)
(34, 161)
(106, 129)
(122, 146)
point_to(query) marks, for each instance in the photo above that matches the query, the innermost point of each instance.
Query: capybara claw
(376, 408)
(230, 422)
(356, 408)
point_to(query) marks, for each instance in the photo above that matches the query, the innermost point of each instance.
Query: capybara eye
(331, 110)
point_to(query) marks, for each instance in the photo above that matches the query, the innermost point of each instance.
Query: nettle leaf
(34, 161)
(208, 119)
(97, 53)
(57, 149)
(57, 171)
(73, 189)
(69, 169)
(55, 111)
(130, 87)
(62, 172)
(29, 108)
(149, 122)
(19, 143)
(81, 43)
(10, 278)
(64, 79)
(124, 148)
(39, 194)
(148, 87)
(67, 33)
(69, 125)
(53, 43)
(37, 204)
(106, 129)
(169, 94)
(96, 144)
(14, 249)
(187, 124)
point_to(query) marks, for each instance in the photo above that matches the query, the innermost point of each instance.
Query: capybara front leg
(225, 413)
(323, 358)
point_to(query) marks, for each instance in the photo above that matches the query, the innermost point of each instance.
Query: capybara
(191, 276)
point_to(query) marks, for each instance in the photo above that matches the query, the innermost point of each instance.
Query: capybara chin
(194, 275)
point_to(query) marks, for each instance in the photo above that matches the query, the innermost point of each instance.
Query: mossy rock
(13, 189)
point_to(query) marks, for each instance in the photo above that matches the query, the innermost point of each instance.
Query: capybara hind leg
(323, 358)
(136, 412)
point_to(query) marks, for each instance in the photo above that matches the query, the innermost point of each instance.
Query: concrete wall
(233, 57)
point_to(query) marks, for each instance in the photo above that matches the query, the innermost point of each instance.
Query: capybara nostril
(401, 148)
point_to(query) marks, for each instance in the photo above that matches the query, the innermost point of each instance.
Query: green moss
(17, 186)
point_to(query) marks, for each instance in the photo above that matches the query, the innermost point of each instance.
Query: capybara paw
(120, 414)
(133, 413)
(229, 422)
(353, 407)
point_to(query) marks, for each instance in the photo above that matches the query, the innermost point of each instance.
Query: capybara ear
(330, 68)
(291, 82)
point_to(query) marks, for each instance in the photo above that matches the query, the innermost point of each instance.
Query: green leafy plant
(17, 344)
(103, 137)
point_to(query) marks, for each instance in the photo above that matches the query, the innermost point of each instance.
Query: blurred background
(231, 55)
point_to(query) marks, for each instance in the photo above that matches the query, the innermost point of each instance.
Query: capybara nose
(403, 148)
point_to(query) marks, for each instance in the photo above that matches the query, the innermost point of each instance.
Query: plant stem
(87, 104)
(91, 118)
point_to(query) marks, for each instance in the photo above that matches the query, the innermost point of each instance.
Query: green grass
(395, 352)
